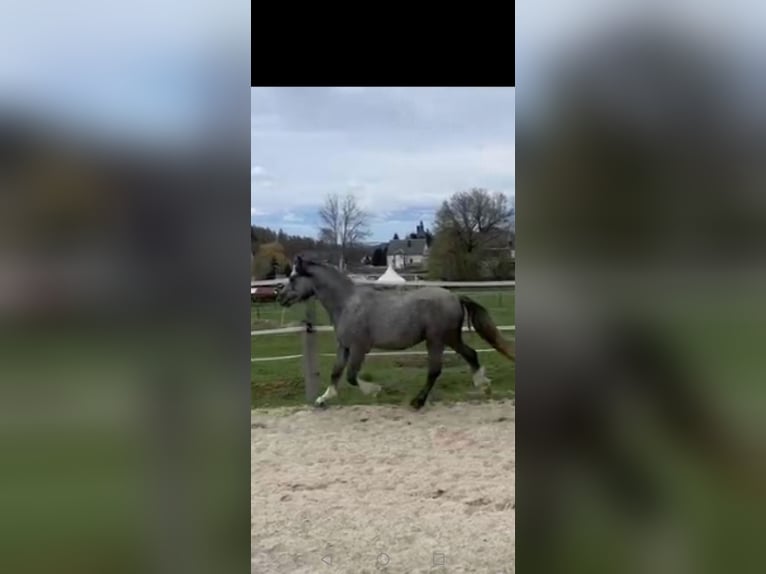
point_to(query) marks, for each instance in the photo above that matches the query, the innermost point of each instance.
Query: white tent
(391, 276)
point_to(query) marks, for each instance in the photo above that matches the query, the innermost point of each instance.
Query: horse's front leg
(354, 366)
(341, 358)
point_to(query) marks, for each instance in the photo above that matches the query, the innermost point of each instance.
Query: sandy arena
(383, 489)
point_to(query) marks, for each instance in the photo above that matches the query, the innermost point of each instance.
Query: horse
(365, 317)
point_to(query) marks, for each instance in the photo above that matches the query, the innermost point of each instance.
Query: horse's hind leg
(471, 357)
(435, 352)
(341, 358)
(352, 374)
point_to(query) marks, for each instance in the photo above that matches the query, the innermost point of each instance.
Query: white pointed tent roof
(391, 276)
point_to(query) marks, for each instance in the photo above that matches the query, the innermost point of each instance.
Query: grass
(281, 383)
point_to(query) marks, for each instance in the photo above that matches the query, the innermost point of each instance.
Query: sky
(401, 151)
(153, 73)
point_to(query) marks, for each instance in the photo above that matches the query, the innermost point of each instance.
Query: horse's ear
(298, 265)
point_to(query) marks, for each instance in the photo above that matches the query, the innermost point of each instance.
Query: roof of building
(407, 246)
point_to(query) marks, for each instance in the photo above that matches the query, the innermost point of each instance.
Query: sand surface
(383, 489)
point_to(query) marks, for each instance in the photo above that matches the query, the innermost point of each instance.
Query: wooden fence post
(310, 354)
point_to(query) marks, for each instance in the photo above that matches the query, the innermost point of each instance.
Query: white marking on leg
(328, 394)
(480, 379)
(368, 388)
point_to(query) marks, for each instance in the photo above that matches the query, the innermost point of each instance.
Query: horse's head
(309, 276)
(300, 266)
(298, 288)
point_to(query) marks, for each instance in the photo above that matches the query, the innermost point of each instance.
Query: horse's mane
(309, 261)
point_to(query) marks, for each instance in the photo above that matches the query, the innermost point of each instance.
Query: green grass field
(281, 383)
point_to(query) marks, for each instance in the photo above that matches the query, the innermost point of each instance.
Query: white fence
(447, 284)
(373, 354)
(320, 328)
(310, 353)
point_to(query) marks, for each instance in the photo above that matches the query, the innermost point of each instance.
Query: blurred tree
(269, 258)
(379, 255)
(448, 261)
(253, 240)
(273, 268)
(292, 244)
(467, 225)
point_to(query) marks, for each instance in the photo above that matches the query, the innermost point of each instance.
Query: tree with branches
(343, 223)
(467, 225)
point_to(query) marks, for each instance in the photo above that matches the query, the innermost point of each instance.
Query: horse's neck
(333, 291)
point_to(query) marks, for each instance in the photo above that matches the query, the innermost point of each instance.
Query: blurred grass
(88, 463)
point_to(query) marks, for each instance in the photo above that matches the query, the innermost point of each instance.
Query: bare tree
(344, 223)
(330, 216)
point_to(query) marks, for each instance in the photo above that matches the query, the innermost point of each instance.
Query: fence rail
(301, 329)
(408, 284)
(373, 354)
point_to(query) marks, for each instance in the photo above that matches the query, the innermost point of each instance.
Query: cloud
(260, 178)
(399, 150)
(291, 217)
(254, 211)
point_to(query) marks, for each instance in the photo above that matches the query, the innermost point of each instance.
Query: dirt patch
(405, 484)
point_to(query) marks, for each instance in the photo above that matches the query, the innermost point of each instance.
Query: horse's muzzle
(282, 297)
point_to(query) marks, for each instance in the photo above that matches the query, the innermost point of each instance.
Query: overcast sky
(402, 151)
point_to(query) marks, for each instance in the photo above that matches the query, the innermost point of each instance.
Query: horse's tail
(483, 324)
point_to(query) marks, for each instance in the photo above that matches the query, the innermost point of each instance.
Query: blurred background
(641, 293)
(124, 153)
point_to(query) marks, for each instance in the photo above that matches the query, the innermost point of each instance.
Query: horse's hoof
(370, 389)
(481, 380)
(320, 404)
(417, 403)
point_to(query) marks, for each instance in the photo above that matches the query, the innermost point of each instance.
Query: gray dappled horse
(365, 317)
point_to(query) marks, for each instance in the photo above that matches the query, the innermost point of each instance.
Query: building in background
(407, 252)
(410, 251)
